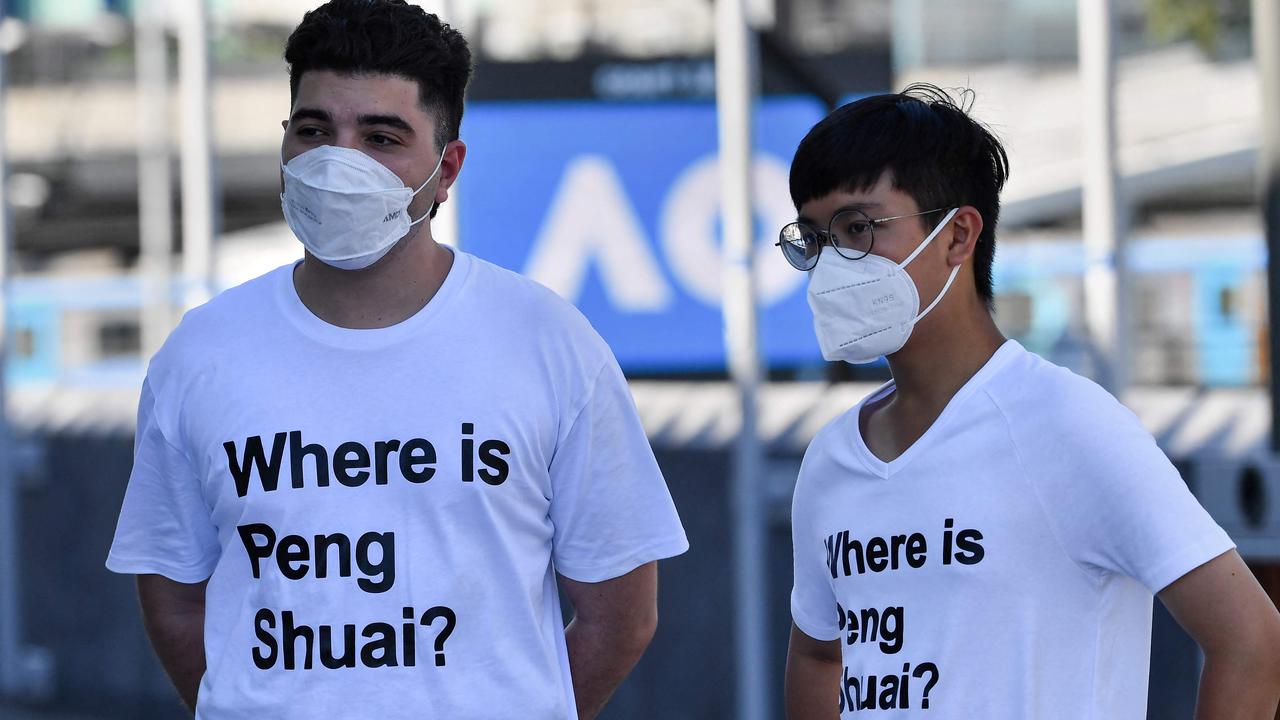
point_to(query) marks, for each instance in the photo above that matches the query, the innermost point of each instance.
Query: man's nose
(347, 139)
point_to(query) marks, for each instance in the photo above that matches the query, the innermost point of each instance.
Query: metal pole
(11, 679)
(762, 14)
(735, 92)
(155, 211)
(908, 35)
(1266, 50)
(198, 221)
(1104, 277)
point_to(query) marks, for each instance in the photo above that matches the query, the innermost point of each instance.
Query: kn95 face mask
(865, 309)
(346, 208)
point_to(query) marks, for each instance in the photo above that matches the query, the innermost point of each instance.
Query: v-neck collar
(881, 469)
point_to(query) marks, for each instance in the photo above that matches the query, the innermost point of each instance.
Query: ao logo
(592, 222)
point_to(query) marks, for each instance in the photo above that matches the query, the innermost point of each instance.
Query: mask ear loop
(424, 184)
(925, 243)
(954, 271)
(943, 292)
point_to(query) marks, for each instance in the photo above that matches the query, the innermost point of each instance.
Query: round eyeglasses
(851, 232)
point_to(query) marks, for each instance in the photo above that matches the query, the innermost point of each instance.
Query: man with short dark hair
(358, 478)
(982, 536)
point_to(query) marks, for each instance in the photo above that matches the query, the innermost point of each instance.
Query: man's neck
(381, 295)
(928, 372)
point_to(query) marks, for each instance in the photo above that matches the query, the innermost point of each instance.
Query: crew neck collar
(312, 326)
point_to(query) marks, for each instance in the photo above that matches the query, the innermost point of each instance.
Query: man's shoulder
(835, 440)
(1047, 402)
(524, 301)
(835, 431)
(494, 278)
(221, 320)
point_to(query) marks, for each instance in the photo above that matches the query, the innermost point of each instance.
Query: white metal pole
(11, 679)
(1104, 277)
(155, 212)
(762, 14)
(908, 35)
(735, 93)
(198, 221)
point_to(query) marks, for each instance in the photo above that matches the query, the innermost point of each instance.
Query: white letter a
(591, 220)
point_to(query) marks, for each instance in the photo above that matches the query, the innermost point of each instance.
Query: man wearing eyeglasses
(982, 536)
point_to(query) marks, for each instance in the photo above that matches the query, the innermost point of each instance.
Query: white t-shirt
(1003, 566)
(381, 513)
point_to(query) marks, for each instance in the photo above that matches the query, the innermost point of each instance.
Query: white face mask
(347, 208)
(865, 309)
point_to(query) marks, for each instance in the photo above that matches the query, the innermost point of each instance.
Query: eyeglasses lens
(851, 233)
(800, 245)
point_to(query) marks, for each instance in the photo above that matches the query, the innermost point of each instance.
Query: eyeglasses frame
(826, 239)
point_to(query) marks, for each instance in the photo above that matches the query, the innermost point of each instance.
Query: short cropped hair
(935, 152)
(388, 37)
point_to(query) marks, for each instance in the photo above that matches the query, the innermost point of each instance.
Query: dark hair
(389, 37)
(935, 152)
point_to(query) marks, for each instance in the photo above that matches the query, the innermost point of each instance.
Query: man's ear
(450, 166)
(966, 227)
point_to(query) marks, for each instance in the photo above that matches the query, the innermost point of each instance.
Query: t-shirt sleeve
(165, 526)
(610, 505)
(813, 602)
(1117, 502)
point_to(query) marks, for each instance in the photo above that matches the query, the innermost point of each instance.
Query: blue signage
(616, 207)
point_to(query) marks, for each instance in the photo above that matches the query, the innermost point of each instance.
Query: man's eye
(859, 227)
(308, 131)
(382, 140)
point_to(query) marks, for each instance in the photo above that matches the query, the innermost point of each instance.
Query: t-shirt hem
(145, 566)
(1187, 559)
(618, 567)
(815, 630)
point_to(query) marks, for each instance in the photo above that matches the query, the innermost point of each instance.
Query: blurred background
(139, 165)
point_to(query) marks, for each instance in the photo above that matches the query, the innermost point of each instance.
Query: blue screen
(616, 207)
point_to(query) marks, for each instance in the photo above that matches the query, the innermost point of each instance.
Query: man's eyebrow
(310, 114)
(860, 206)
(394, 121)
